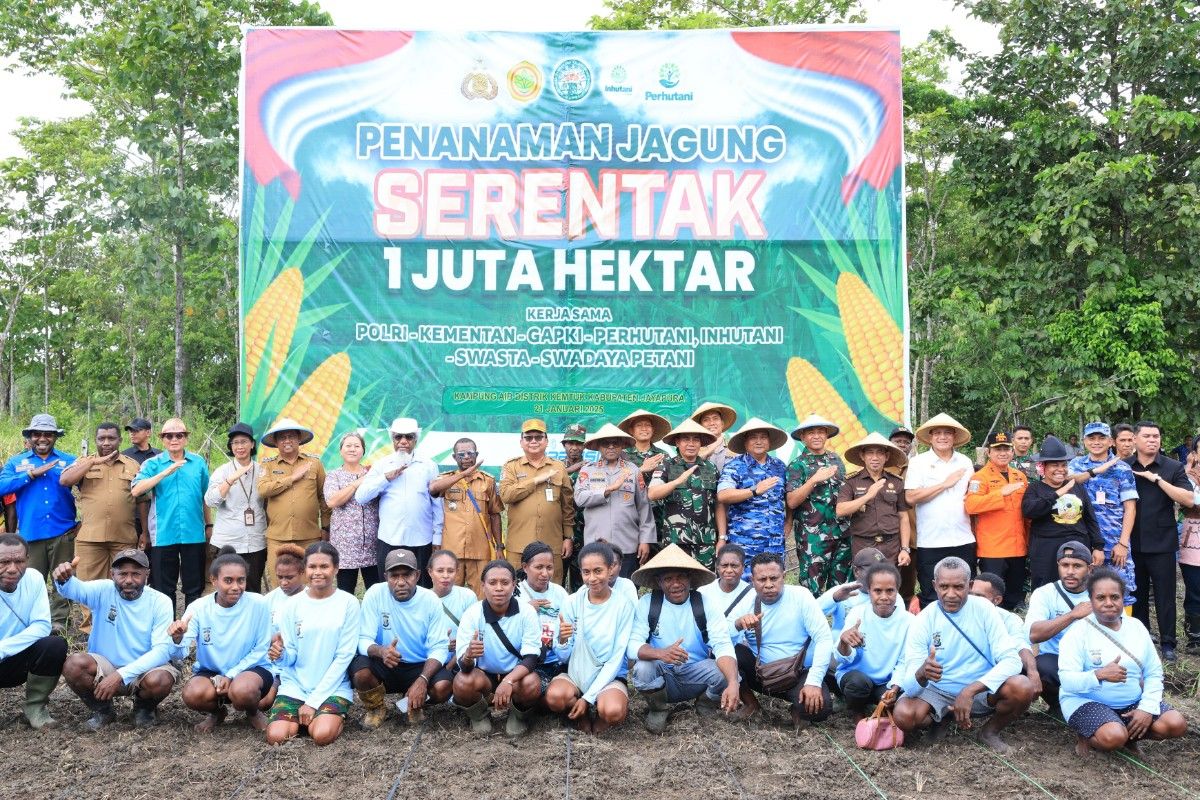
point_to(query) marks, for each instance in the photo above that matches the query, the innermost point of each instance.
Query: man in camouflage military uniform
(1022, 439)
(813, 480)
(574, 435)
(685, 488)
(646, 428)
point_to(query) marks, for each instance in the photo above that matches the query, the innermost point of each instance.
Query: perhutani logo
(572, 80)
(618, 81)
(670, 97)
(668, 75)
(525, 81)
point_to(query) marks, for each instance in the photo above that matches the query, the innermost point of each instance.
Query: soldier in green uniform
(813, 480)
(685, 488)
(646, 428)
(573, 437)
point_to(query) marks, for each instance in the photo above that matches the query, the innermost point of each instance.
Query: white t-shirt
(941, 521)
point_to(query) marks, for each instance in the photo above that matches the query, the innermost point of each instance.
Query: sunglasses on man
(405, 436)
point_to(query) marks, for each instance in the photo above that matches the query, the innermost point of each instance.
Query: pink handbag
(878, 731)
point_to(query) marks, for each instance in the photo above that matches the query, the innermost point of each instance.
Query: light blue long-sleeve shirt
(961, 664)
(547, 615)
(520, 624)
(24, 614)
(837, 611)
(1016, 629)
(131, 634)
(677, 622)
(231, 640)
(881, 658)
(276, 601)
(627, 589)
(1045, 603)
(1083, 650)
(408, 515)
(320, 639)
(415, 625)
(606, 627)
(789, 622)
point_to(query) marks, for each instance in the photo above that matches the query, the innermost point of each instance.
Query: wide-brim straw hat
(816, 421)
(777, 437)
(661, 426)
(286, 424)
(693, 428)
(608, 431)
(728, 415)
(672, 557)
(896, 457)
(961, 434)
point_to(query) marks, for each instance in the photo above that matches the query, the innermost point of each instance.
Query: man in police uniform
(292, 486)
(537, 492)
(873, 500)
(813, 480)
(107, 509)
(471, 528)
(685, 487)
(612, 494)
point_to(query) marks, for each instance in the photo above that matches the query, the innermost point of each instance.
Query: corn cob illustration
(318, 401)
(875, 343)
(812, 394)
(379, 454)
(277, 308)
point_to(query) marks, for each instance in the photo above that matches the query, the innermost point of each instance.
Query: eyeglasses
(533, 437)
(169, 435)
(466, 454)
(398, 436)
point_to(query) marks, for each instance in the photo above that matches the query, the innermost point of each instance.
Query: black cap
(901, 430)
(242, 429)
(132, 554)
(999, 439)
(139, 424)
(1076, 550)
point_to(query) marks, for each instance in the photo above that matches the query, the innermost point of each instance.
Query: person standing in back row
(539, 497)
(292, 485)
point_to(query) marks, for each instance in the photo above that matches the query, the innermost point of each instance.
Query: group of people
(459, 604)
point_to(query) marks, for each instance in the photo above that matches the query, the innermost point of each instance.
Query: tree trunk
(179, 293)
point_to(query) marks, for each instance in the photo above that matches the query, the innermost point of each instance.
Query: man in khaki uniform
(471, 528)
(537, 492)
(107, 509)
(873, 500)
(292, 485)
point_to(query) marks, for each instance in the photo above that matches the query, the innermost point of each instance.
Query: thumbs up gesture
(176, 630)
(675, 654)
(931, 670)
(565, 630)
(852, 637)
(275, 651)
(475, 648)
(64, 571)
(450, 637)
(390, 655)
(1112, 672)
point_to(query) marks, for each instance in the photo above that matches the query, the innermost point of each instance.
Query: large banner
(477, 228)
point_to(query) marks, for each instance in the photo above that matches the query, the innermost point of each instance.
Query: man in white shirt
(409, 516)
(936, 486)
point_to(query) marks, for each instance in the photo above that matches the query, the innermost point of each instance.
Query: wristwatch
(754, 491)
(907, 550)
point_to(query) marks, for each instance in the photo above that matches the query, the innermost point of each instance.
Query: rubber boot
(1191, 627)
(144, 714)
(37, 694)
(373, 701)
(102, 714)
(480, 715)
(656, 714)
(518, 721)
(706, 706)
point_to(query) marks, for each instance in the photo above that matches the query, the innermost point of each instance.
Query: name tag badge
(1101, 498)
(248, 517)
(549, 494)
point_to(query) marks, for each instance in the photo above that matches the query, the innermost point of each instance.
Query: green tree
(679, 14)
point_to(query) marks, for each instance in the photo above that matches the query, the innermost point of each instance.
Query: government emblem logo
(112, 613)
(668, 75)
(478, 84)
(572, 80)
(206, 635)
(619, 74)
(387, 620)
(525, 81)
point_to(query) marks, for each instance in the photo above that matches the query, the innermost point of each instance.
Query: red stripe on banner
(871, 58)
(274, 55)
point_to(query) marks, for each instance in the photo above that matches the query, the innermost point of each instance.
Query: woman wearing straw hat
(716, 418)
(685, 487)
(813, 480)
(612, 494)
(873, 500)
(751, 489)
(293, 486)
(680, 640)
(936, 485)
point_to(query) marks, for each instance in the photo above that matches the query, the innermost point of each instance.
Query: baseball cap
(1076, 550)
(901, 431)
(134, 555)
(533, 425)
(139, 424)
(867, 556)
(999, 439)
(574, 433)
(1097, 427)
(400, 558)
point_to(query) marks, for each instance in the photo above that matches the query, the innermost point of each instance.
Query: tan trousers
(273, 548)
(95, 563)
(470, 575)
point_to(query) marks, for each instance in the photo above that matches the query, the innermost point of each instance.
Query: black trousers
(1013, 571)
(347, 579)
(860, 692)
(44, 657)
(927, 559)
(178, 564)
(629, 564)
(423, 552)
(1155, 572)
(1043, 559)
(1047, 664)
(746, 662)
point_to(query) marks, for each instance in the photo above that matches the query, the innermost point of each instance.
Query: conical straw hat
(692, 427)
(896, 457)
(672, 557)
